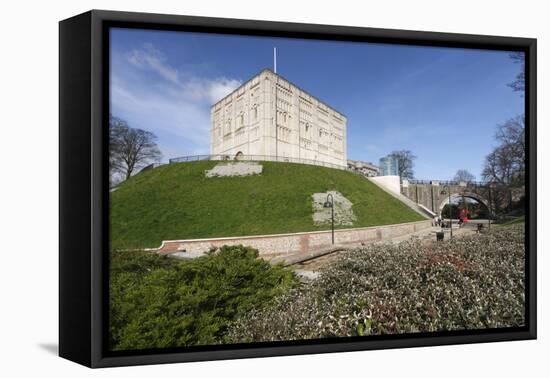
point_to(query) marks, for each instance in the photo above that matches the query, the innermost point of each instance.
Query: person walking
(462, 217)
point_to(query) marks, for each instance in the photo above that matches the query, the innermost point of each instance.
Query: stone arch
(472, 195)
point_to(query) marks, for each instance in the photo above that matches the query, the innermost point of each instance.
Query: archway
(476, 204)
(239, 155)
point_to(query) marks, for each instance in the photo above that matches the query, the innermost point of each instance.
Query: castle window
(241, 120)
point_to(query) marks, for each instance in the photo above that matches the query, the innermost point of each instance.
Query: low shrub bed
(472, 282)
(156, 302)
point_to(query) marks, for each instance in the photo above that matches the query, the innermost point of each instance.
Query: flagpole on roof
(275, 59)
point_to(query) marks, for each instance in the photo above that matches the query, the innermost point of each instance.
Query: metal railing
(448, 182)
(223, 157)
(281, 159)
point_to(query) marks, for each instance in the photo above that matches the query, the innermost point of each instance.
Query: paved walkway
(309, 267)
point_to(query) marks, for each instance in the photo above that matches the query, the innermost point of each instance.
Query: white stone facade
(243, 123)
(392, 183)
(365, 168)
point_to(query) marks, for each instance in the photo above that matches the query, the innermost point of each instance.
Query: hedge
(474, 282)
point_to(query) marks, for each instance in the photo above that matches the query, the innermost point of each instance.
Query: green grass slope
(177, 201)
(518, 220)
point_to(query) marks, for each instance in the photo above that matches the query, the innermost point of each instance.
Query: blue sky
(443, 104)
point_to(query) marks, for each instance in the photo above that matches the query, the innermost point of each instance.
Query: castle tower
(269, 116)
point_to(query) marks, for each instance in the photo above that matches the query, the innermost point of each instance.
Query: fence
(258, 158)
(448, 182)
(191, 158)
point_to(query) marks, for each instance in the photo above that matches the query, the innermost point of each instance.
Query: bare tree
(499, 166)
(405, 162)
(518, 85)
(130, 148)
(501, 169)
(512, 135)
(506, 164)
(464, 175)
(117, 128)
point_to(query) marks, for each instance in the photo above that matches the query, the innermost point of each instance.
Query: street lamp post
(464, 207)
(330, 204)
(450, 209)
(490, 204)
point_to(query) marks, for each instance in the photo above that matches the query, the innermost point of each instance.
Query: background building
(389, 166)
(270, 116)
(366, 168)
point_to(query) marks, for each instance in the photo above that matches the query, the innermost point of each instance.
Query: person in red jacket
(462, 216)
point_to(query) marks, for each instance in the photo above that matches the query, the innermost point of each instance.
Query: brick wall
(297, 242)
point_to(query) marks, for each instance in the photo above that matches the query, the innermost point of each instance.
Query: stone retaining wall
(281, 244)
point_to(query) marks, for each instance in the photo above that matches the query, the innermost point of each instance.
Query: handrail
(223, 157)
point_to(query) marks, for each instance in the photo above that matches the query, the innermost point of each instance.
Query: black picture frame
(83, 181)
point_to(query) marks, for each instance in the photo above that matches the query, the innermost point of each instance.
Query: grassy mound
(177, 201)
(518, 220)
(474, 282)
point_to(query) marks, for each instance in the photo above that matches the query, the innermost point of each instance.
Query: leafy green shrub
(156, 302)
(472, 282)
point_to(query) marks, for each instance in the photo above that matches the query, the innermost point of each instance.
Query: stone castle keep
(270, 116)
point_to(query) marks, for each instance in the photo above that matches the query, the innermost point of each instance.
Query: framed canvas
(236, 188)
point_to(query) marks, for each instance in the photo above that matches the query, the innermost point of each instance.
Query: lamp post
(450, 209)
(490, 204)
(464, 207)
(330, 204)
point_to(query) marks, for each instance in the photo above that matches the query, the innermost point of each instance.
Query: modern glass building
(389, 166)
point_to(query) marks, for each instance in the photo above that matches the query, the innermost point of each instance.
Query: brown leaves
(470, 283)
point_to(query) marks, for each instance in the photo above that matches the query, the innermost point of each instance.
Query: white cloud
(150, 58)
(211, 90)
(152, 94)
(158, 112)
